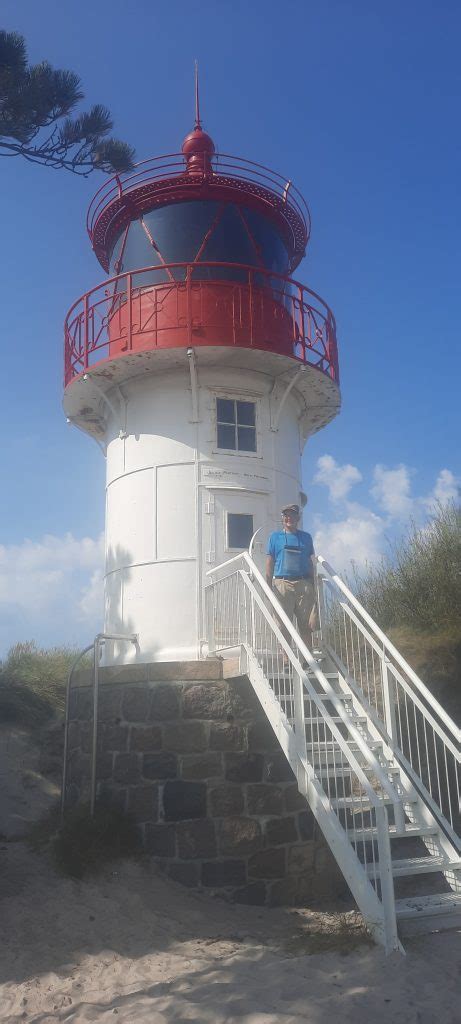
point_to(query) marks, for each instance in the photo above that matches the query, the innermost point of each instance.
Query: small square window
(236, 425)
(239, 530)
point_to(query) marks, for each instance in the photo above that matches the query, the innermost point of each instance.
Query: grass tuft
(419, 583)
(33, 683)
(83, 845)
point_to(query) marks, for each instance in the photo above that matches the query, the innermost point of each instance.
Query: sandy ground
(133, 946)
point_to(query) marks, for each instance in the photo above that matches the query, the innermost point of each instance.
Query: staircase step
(333, 694)
(361, 803)
(359, 720)
(418, 914)
(421, 866)
(328, 675)
(410, 831)
(332, 746)
(332, 772)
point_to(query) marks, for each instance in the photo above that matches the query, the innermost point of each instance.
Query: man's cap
(290, 508)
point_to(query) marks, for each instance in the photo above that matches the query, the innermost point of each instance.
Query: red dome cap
(198, 149)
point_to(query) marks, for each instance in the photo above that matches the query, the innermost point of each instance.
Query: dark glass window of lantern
(178, 231)
(239, 530)
(236, 425)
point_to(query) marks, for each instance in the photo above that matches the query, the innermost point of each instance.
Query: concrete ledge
(155, 671)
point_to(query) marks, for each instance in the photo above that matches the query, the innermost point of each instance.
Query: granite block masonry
(193, 758)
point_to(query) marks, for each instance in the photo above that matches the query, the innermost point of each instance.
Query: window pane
(246, 414)
(225, 409)
(230, 241)
(246, 439)
(226, 437)
(239, 530)
(273, 250)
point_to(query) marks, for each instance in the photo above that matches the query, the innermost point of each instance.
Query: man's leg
(285, 591)
(304, 603)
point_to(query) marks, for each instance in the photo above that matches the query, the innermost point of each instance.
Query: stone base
(192, 756)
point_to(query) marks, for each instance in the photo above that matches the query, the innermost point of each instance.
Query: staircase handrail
(280, 614)
(316, 699)
(376, 901)
(387, 645)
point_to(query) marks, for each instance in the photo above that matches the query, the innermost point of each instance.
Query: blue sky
(359, 104)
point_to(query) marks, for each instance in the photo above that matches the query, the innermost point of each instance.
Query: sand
(134, 947)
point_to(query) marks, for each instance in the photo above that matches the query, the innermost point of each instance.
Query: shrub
(419, 583)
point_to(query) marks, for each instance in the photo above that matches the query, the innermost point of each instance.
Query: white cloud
(92, 598)
(446, 489)
(358, 538)
(338, 479)
(50, 589)
(354, 532)
(391, 490)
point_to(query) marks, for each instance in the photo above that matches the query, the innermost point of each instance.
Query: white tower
(201, 367)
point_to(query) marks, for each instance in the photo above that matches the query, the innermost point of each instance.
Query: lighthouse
(200, 365)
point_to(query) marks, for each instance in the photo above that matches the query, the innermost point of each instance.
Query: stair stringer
(378, 915)
(420, 811)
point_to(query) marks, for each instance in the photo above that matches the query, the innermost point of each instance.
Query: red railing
(181, 305)
(161, 171)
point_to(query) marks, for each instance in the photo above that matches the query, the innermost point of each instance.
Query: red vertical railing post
(85, 332)
(129, 295)
(189, 304)
(250, 299)
(301, 321)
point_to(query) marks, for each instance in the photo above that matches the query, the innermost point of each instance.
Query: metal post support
(210, 617)
(391, 938)
(389, 718)
(388, 698)
(66, 724)
(321, 607)
(131, 638)
(300, 727)
(94, 748)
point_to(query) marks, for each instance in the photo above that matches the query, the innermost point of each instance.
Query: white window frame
(235, 396)
(227, 514)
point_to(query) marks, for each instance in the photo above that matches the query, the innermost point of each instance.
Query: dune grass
(414, 594)
(33, 683)
(418, 584)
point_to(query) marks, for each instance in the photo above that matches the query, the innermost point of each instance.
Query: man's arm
(269, 569)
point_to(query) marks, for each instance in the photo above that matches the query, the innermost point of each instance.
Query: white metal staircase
(375, 755)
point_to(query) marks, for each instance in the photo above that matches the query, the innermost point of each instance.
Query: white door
(230, 517)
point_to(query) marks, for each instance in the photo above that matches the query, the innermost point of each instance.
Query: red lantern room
(201, 249)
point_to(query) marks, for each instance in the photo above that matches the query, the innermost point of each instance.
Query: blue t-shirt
(291, 553)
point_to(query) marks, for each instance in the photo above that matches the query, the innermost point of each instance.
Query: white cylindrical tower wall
(172, 496)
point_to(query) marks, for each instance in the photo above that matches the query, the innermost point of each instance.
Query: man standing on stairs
(290, 571)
